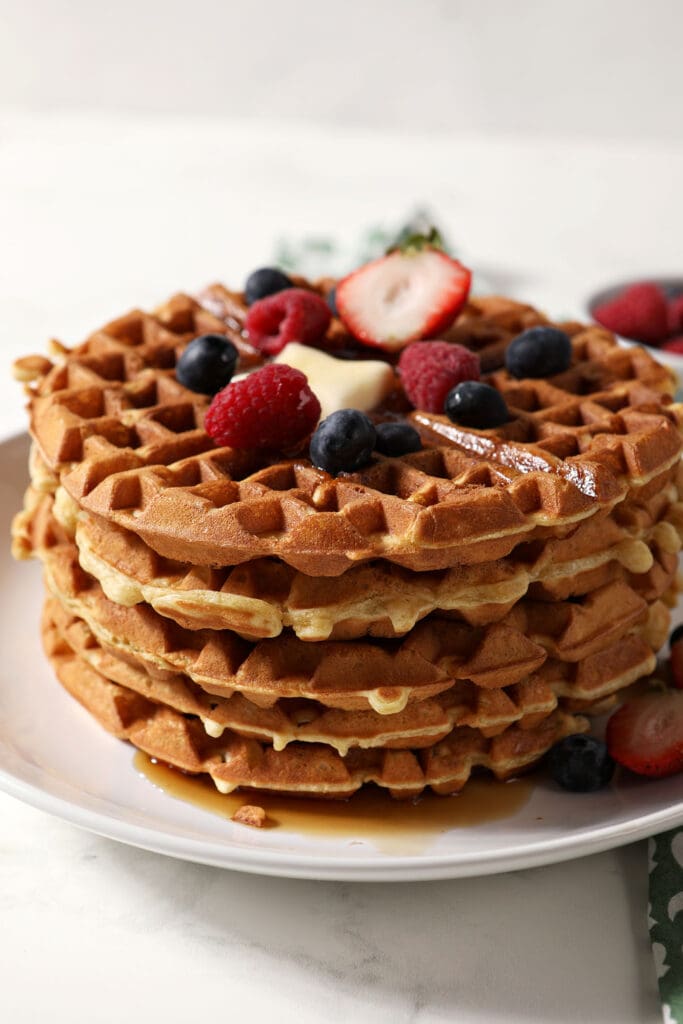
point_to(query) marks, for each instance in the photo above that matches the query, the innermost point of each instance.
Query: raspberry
(674, 345)
(429, 369)
(272, 409)
(639, 312)
(294, 314)
(676, 314)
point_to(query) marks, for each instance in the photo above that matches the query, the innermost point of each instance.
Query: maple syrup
(371, 815)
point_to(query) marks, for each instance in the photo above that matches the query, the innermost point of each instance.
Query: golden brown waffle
(385, 675)
(258, 599)
(128, 442)
(401, 625)
(585, 687)
(308, 769)
(287, 721)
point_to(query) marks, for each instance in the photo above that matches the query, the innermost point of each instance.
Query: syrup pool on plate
(393, 826)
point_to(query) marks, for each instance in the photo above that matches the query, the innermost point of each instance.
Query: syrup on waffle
(311, 769)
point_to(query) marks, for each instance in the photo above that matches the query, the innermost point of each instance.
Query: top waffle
(128, 444)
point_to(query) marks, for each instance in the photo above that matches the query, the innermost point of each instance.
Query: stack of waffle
(252, 618)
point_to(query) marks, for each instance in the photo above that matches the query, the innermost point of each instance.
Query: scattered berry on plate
(207, 364)
(429, 369)
(476, 405)
(273, 409)
(639, 312)
(343, 442)
(646, 733)
(675, 315)
(674, 345)
(264, 282)
(580, 763)
(396, 439)
(676, 635)
(676, 657)
(539, 352)
(413, 292)
(291, 315)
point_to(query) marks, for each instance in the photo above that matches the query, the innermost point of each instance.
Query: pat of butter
(340, 383)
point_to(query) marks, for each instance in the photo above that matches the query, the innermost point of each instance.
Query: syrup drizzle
(398, 827)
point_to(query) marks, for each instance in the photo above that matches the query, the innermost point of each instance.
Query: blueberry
(539, 352)
(676, 635)
(343, 442)
(397, 439)
(332, 301)
(580, 763)
(477, 405)
(264, 282)
(207, 364)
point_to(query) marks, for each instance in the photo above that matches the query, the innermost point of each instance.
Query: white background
(604, 68)
(147, 147)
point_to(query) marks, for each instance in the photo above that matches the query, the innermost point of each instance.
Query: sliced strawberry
(646, 734)
(414, 292)
(676, 662)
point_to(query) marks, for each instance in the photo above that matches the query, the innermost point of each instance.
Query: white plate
(55, 757)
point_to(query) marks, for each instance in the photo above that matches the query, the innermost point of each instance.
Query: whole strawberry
(429, 369)
(273, 409)
(640, 312)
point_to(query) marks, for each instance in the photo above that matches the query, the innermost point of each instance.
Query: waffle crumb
(30, 368)
(250, 815)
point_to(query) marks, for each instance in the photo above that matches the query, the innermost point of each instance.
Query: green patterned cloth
(666, 920)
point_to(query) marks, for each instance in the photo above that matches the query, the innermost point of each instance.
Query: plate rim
(581, 842)
(413, 867)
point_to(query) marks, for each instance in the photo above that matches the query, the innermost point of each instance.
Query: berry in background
(639, 312)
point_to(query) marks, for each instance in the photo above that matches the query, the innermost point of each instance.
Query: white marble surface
(98, 214)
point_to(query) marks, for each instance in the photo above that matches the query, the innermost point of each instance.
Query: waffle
(259, 599)
(248, 616)
(309, 769)
(385, 675)
(287, 721)
(128, 444)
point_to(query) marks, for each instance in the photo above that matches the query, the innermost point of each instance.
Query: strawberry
(410, 293)
(674, 345)
(639, 312)
(676, 663)
(675, 314)
(646, 734)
